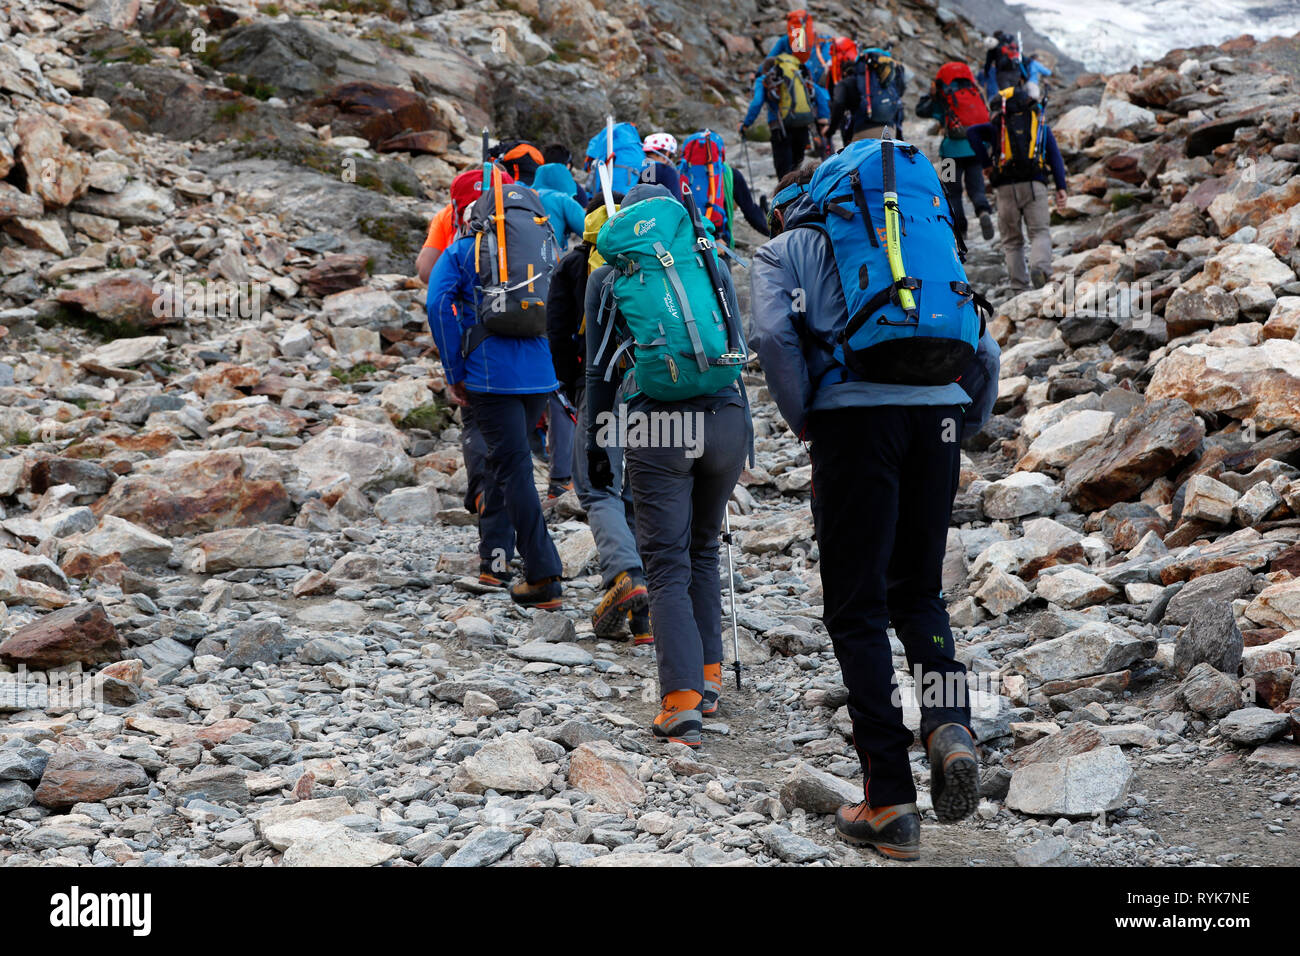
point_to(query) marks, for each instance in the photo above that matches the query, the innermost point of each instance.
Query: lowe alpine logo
(643, 226)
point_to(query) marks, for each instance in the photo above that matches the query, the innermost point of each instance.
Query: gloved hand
(743, 128)
(600, 473)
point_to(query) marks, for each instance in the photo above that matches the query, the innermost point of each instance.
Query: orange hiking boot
(712, 688)
(543, 595)
(626, 594)
(680, 720)
(639, 624)
(894, 831)
(954, 772)
(490, 578)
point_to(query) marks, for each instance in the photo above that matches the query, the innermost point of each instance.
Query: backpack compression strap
(670, 270)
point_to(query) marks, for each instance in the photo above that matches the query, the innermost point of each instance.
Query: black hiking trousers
(788, 148)
(884, 478)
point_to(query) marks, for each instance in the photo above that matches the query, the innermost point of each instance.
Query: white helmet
(665, 143)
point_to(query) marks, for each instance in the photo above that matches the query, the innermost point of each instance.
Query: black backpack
(1021, 147)
(880, 80)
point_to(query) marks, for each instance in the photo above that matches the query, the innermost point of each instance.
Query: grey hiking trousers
(1031, 203)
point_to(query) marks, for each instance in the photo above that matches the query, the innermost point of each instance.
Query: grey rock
(1221, 587)
(1082, 785)
(485, 847)
(1211, 637)
(253, 642)
(1252, 726)
(1210, 692)
(791, 847)
(817, 791)
(1050, 851)
(567, 654)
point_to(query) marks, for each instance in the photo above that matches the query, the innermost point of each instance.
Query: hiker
(448, 222)
(496, 533)
(660, 148)
(800, 40)
(487, 296)
(622, 142)
(1005, 68)
(793, 108)
(884, 428)
(956, 102)
(554, 185)
(609, 509)
(557, 154)
(719, 187)
(843, 54)
(871, 92)
(1017, 150)
(519, 158)
(688, 429)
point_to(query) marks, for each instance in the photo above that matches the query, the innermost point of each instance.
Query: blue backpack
(704, 170)
(881, 80)
(913, 319)
(629, 157)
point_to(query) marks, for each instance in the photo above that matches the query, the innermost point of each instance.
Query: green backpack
(679, 341)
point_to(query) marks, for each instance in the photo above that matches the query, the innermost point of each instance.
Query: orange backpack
(799, 31)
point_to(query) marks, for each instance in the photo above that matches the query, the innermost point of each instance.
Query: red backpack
(799, 31)
(963, 101)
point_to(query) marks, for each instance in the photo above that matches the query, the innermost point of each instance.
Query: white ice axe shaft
(607, 168)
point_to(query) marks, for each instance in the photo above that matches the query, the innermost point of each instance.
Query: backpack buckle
(666, 258)
(704, 242)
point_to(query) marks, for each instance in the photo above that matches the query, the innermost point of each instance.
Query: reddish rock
(79, 634)
(225, 375)
(54, 172)
(1154, 438)
(86, 777)
(123, 300)
(374, 111)
(151, 444)
(334, 273)
(1259, 636)
(431, 141)
(1268, 688)
(1068, 743)
(201, 493)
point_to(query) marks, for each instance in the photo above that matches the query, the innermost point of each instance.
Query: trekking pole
(565, 404)
(731, 589)
(744, 148)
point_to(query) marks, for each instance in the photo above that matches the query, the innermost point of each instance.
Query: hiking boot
(712, 688)
(679, 720)
(543, 595)
(894, 831)
(954, 772)
(627, 594)
(490, 578)
(639, 624)
(557, 488)
(986, 225)
(1038, 277)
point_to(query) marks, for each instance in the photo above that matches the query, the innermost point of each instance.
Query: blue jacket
(984, 139)
(816, 69)
(500, 365)
(821, 104)
(798, 266)
(556, 187)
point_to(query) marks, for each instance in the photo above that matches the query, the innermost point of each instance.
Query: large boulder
(1148, 443)
(79, 634)
(1255, 381)
(362, 453)
(1094, 648)
(187, 492)
(73, 777)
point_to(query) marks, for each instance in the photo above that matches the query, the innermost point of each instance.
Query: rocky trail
(230, 490)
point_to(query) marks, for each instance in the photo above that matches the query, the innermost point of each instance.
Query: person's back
(1019, 152)
(680, 485)
(498, 364)
(885, 460)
